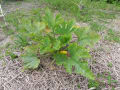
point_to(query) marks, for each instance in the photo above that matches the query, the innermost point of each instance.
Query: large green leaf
(49, 45)
(65, 28)
(78, 52)
(39, 26)
(81, 67)
(29, 58)
(22, 40)
(31, 50)
(72, 59)
(26, 25)
(86, 37)
(58, 20)
(45, 45)
(30, 62)
(65, 39)
(56, 45)
(49, 18)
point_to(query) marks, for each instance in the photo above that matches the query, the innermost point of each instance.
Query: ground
(106, 55)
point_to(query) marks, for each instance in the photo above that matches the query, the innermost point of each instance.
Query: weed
(53, 36)
(15, 18)
(92, 84)
(113, 36)
(108, 78)
(96, 27)
(78, 86)
(11, 54)
(110, 64)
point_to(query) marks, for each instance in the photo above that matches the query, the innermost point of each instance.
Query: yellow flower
(63, 52)
(76, 26)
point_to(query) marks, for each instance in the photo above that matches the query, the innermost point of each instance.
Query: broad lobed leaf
(30, 62)
(81, 67)
(73, 60)
(77, 52)
(86, 37)
(65, 28)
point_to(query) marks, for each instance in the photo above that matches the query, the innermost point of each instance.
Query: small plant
(11, 54)
(96, 27)
(110, 64)
(113, 36)
(107, 80)
(53, 36)
(93, 84)
(110, 79)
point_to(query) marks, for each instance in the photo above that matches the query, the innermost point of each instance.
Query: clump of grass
(108, 80)
(110, 64)
(93, 84)
(96, 27)
(113, 36)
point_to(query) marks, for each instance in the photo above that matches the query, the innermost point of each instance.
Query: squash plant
(53, 36)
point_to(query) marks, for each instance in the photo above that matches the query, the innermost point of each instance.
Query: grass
(84, 10)
(16, 17)
(110, 64)
(96, 27)
(92, 84)
(113, 36)
(110, 81)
